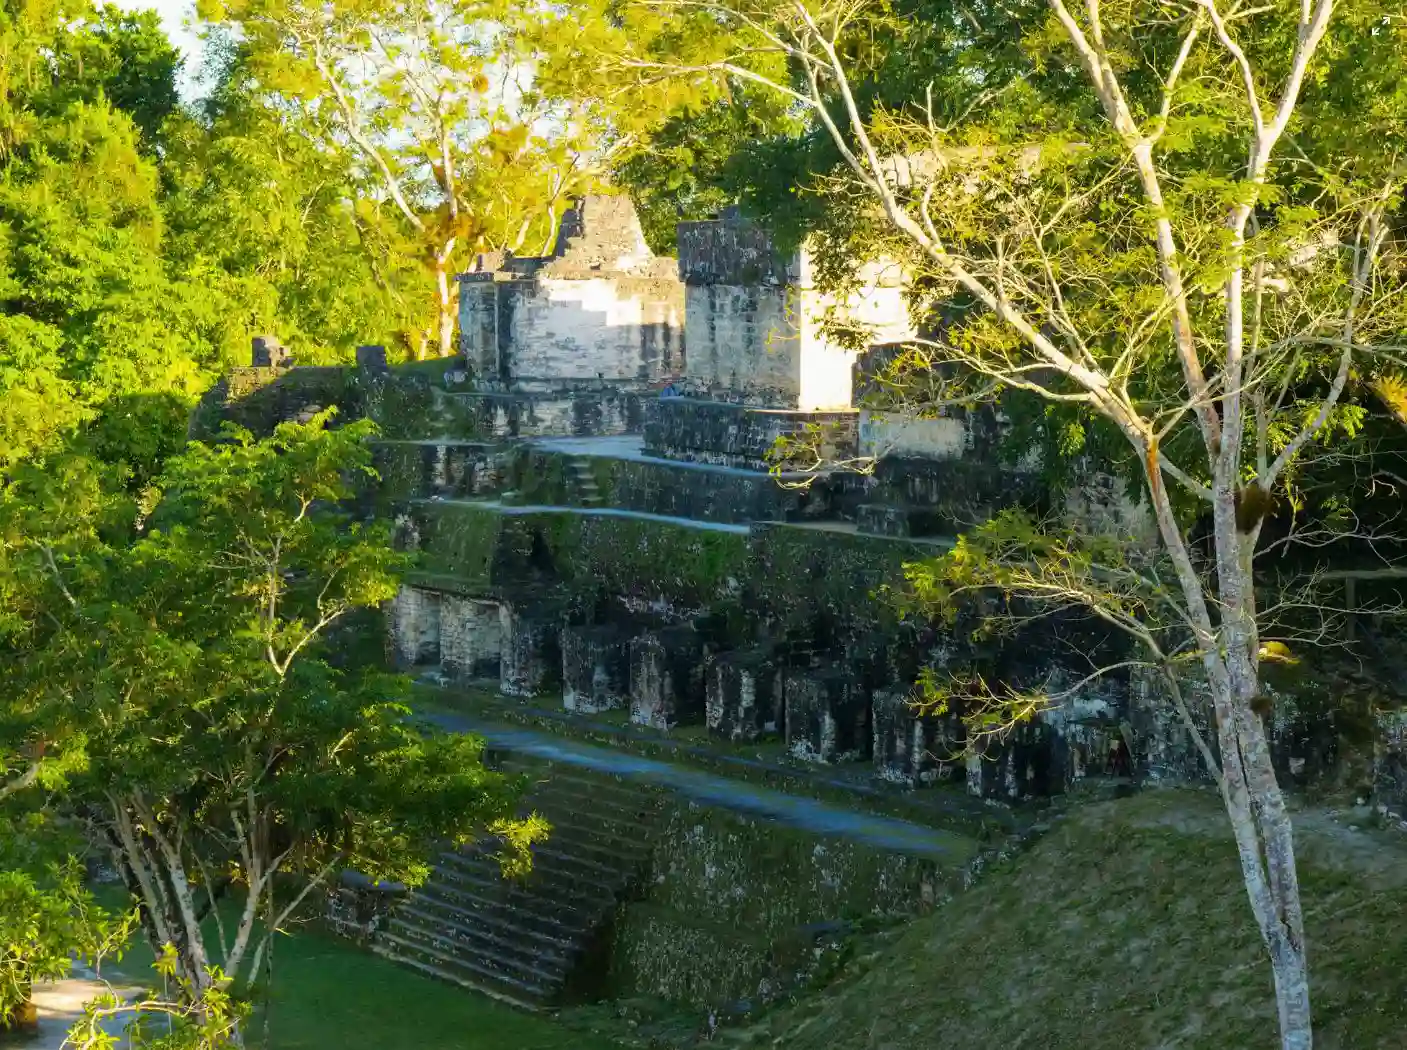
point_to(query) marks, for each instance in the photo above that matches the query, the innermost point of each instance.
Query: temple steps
(582, 481)
(529, 940)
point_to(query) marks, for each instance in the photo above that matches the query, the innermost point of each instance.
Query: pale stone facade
(755, 322)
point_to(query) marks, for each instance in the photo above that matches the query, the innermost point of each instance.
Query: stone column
(471, 638)
(530, 659)
(666, 678)
(909, 747)
(827, 716)
(478, 323)
(595, 669)
(743, 700)
(415, 627)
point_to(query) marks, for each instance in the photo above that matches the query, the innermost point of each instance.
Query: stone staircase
(585, 492)
(539, 940)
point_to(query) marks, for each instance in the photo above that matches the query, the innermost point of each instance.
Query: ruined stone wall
(587, 328)
(731, 435)
(876, 310)
(258, 398)
(415, 627)
(471, 637)
(894, 434)
(739, 909)
(760, 332)
(744, 343)
(601, 308)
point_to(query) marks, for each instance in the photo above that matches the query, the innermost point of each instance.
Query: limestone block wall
(530, 661)
(415, 627)
(896, 434)
(745, 343)
(452, 469)
(595, 412)
(739, 908)
(577, 327)
(759, 330)
(876, 309)
(724, 434)
(601, 308)
(1103, 504)
(471, 637)
(595, 668)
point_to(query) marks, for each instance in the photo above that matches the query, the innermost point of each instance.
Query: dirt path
(891, 833)
(60, 1005)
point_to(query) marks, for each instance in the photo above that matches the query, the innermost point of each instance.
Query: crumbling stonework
(530, 658)
(745, 695)
(667, 678)
(745, 437)
(471, 638)
(827, 716)
(758, 328)
(268, 352)
(595, 668)
(742, 909)
(415, 627)
(601, 310)
(911, 747)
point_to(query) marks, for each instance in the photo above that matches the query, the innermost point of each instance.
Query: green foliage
(450, 151)
(176, 641)
(125, 58)
(205, 1017)
(693, 166)
(1012, 573)
(256, 200)
(46, 919)
(676, 144)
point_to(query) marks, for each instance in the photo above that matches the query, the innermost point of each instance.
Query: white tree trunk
(1265, 844)
(1255, 803)
(445, 303)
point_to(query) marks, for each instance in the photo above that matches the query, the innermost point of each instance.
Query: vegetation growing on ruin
(1178, 226)
(1123, 926)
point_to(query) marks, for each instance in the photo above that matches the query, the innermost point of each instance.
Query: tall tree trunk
(1265, 844)
(1255, 803)
(446, 305)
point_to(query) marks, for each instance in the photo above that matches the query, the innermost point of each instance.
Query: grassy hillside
(1126, 927)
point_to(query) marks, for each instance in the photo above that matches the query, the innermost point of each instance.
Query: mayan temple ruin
(610, 548)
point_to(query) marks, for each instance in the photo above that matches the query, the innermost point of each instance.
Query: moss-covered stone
(261, 398)
(459, 541)
(737, 905)
(831, 575)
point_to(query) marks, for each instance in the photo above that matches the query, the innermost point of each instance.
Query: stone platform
(738, 435)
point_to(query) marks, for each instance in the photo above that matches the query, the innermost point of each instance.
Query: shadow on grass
(327, 993)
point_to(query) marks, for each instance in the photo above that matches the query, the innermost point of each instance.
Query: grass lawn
(330, 995)
(1126, 928)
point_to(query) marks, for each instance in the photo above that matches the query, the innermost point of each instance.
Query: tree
(424, 101)
(255, 198)
(683, 148)
(225, 754)
(691, 165)
(47, 917)
(125, 58)
(1179, 223)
